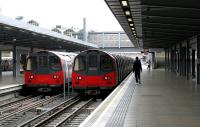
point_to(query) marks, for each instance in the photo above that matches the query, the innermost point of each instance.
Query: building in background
(109, 39)
(76, 33)
(33, 22)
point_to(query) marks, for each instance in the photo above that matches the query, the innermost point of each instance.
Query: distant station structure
(113, 39)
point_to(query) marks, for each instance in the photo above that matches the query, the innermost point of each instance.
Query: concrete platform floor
(164, 100)
(7, 79)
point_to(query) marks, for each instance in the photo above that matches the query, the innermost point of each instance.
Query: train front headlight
(79, 78)
(107, 77)
(31, 77)
(55, 76)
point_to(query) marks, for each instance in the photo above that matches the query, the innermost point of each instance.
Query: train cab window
(54, 63)
(92, 64)
(43, 60)
(80, 63)
(105, 63)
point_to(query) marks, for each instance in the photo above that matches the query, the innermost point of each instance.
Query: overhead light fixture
(133, 28)
(124, 3)
(131, 24)
(127, 12)
(129, 19)
(134, 34)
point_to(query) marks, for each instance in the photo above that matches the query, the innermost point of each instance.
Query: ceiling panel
(160, 23)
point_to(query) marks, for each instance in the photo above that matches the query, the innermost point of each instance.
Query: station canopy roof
(157, 23)
(27, 35)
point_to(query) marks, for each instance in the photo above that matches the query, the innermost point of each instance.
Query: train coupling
(44, 89)
(92, 92)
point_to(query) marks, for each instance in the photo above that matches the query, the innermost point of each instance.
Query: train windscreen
(105, 63)
(54, 63)
(80, 63)
(92, 63)
(43, 64)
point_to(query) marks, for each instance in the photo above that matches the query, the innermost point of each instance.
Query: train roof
(96, 50)
(58, 53)
(62, 53)
(113, 55)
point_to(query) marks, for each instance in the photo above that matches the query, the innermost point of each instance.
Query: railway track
(77, 119)
(50, 111)
(16, 104)
(58, 118)
(59, 114)
(9, 117)
(11, 100)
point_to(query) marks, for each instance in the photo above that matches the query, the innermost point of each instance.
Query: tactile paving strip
(118, 117)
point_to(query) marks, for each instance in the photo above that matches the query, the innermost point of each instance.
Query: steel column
(171, 59)
(198, 59)
(14, 60)
(0, 63)
(175, 59)
(180, 59)
(165, 59)
(168, 64)
(188, 59)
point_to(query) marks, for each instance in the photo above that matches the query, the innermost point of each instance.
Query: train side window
(54, 63)
(105, 63)
(92, 65)
(80, 63)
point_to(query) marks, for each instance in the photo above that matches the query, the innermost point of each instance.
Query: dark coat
(137, 67)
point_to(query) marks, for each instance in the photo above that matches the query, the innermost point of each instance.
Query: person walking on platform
(149, 65)
(137, 67)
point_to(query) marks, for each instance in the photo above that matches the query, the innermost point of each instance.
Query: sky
(68, 13)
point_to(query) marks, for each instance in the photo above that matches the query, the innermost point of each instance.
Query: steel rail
(28, 107)
(18, 103)
(74, 112)
(43, 122)
(14, 101)
(49, 112)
